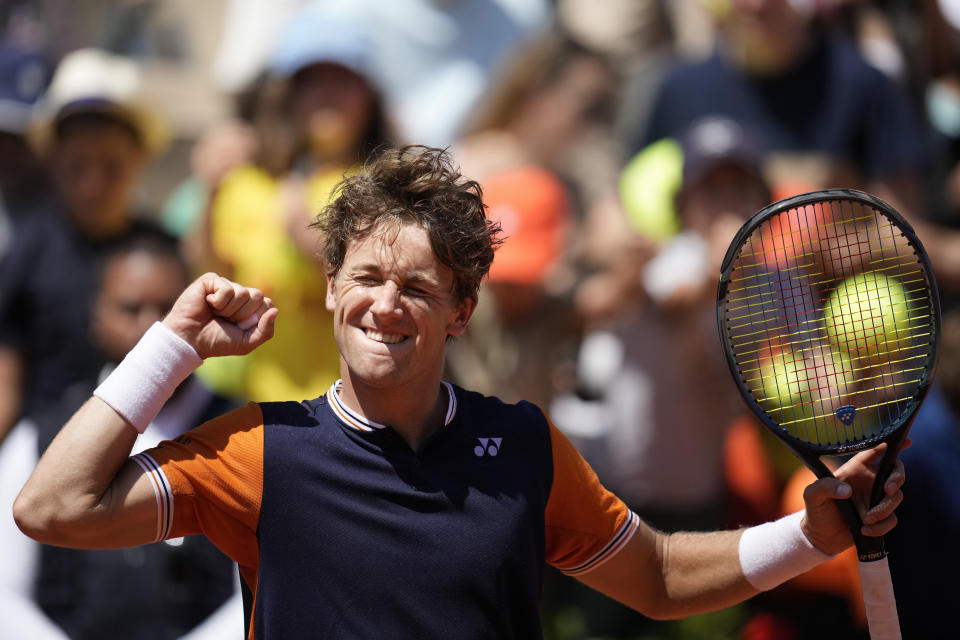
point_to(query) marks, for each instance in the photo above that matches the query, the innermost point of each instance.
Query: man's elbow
(25, 514)
(37, 518)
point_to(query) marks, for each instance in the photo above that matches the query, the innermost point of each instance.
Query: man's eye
(416, 292)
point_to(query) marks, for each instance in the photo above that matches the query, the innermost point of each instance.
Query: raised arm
(85, 492)
(677, 575)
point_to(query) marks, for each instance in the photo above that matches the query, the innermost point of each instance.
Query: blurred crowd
(619, 143)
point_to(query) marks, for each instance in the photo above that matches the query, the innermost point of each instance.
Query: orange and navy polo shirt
(341, 530)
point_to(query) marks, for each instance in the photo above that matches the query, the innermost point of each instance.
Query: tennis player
(395, 504)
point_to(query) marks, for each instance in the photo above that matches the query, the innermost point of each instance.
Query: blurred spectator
(318, 116)
(163, 590)
(97, 139)
(669, 343)
(929, 35)
(655, 396)
(432, 60)
(640, 39)
(930, 520)
(523, 332)
(551, 105)
(822, 115)
(540, 144)
(23, 184)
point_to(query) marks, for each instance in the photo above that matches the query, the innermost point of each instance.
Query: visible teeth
(388, 338)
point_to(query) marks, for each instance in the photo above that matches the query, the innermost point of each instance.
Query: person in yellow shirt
(319, 117)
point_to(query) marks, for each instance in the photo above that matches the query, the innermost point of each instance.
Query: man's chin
(375, 375)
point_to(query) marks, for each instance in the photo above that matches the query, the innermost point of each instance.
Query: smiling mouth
(386, 338)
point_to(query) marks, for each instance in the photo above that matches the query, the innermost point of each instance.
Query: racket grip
(878, 598)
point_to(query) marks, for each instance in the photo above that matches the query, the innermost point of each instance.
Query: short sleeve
(586, 525)
(210, 481)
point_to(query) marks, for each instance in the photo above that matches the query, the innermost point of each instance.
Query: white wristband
(148, 375)
(774, 552)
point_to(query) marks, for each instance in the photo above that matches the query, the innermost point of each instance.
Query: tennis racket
(829, 317)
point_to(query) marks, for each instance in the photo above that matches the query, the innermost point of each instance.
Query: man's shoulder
(479, 409)
(289, 413)
(492, 403)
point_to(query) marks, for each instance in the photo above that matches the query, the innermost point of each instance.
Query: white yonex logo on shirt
(487, 446)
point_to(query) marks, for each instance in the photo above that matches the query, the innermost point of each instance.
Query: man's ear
(462, 318)
(331, 298)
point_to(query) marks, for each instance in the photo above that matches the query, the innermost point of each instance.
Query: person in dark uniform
(154, 591)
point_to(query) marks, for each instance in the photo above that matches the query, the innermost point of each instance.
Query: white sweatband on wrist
(148, 375)
(774, 552)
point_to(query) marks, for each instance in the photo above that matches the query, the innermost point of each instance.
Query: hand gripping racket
(829, 317)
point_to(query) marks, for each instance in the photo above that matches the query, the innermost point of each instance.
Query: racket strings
(829, 319)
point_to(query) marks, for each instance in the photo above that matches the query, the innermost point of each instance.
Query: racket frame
(869, 549)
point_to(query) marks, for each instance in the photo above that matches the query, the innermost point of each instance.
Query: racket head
(829, 316)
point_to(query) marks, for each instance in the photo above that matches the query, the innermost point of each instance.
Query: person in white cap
(97, 140)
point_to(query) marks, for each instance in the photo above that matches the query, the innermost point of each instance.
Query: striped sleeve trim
(620, 539)
(161, 490)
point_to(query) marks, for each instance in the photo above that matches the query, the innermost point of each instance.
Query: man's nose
(386, 298)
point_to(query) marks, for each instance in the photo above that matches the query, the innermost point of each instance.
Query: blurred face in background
(728, 190)
(96, 165)
(718, 203)
(332, 105)
(763, 36)
(137, 289)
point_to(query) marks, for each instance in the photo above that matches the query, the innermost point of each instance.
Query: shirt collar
(354, 420)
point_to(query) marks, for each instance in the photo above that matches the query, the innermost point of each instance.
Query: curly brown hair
(418, 185)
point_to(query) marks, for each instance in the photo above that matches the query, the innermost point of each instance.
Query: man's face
(96, 167)
(394, 308)
(137, 290)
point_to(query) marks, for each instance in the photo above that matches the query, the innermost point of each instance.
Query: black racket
(829, 317)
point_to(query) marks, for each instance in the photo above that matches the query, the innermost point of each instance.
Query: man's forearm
(702, 572)
(682, 574)
(673, 576)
